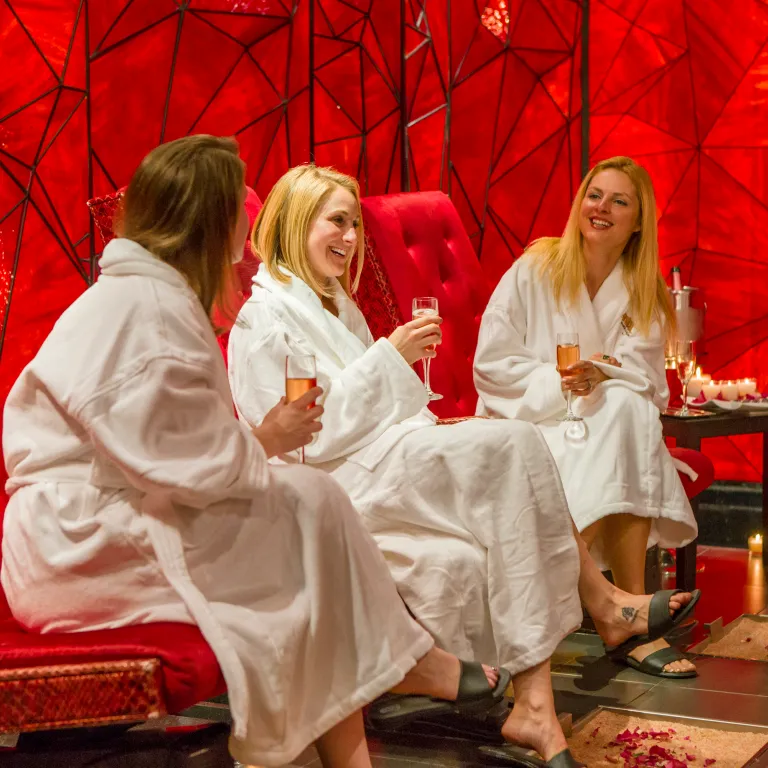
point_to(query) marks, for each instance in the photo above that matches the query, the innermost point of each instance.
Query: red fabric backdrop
(479, 98)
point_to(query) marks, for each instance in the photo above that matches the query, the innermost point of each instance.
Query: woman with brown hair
(597, 292)
(137, 496)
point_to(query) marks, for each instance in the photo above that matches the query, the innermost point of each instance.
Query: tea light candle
(755, 544)
(747, 387)
(711, 389)
(695, 384)
(729, 390)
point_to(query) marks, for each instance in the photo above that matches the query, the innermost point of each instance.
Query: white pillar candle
(729, 390)
(747, 387)
(711, 389)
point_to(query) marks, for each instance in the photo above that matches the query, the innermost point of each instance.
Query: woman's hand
(289, 426)
(582, 377)
(605, 359)
(417, 338)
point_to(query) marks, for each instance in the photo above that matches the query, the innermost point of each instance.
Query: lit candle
(695, 384)
(747, 387)
(729, 390)
(711, 389)
(755, 544)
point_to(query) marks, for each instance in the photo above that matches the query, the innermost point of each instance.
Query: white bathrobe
(137, 496)
(624, 465)
(471, 517)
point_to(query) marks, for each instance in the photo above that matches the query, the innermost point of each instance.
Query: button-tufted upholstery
(420, 242)
(417, 246)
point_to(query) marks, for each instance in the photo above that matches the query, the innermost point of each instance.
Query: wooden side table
(689, 432)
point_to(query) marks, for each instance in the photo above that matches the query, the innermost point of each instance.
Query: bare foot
(535, 727)
(437, 674)
(625, 615)
(643, 651)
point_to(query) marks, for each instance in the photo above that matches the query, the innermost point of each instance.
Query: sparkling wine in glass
(568, 353)
(300, 377)
(424, 306)
(685, 357)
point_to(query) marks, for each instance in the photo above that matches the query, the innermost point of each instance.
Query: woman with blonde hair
(599, 286)
(471, 517)
(138, 497)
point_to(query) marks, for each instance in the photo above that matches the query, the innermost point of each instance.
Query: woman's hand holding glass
(289, 426)
(416, 339)
(581, 378)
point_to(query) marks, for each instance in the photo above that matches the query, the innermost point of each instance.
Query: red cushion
(425, 251)
(189, 669)
(700, 464)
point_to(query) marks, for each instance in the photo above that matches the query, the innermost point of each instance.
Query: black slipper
(654, 663)
(475, 697)
(660, 622)
(526, 758)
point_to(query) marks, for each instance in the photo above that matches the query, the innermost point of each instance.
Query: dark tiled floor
(583, 679)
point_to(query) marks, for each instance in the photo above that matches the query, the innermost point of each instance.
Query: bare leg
(628, 537)
(533, 721)
(437, 674)
(591, 532)
(344, 745)
(617, 614)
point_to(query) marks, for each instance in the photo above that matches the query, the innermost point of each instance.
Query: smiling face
(332, 239)
(610, 211)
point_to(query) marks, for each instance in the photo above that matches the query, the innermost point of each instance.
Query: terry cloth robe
(471, 517)
(138, 496)
(624, 465)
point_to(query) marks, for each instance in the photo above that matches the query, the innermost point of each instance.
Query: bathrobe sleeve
(168, 429)
(642, 361)
(361, 400)
(511, 380)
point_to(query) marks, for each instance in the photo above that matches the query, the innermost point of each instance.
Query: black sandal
(527, 758)
(654, 663)
(475, 697)
(660, 622)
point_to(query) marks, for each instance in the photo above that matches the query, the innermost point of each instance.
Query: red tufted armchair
(417, 246)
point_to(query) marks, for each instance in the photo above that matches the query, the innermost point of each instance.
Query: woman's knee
(313, 492)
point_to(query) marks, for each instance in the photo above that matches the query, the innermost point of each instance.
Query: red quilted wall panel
(479, 98)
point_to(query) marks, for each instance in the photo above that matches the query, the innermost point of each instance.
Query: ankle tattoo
(628, 613)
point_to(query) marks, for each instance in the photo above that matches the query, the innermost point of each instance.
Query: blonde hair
(562, 258)
(182, 205)
(281, 231)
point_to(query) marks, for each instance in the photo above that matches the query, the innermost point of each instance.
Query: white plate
(730, 405)
(759, 405)
(714, 405)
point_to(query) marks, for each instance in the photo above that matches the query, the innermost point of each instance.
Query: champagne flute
(424, 306)
(300, 377)
(568, 353)
(685, 357)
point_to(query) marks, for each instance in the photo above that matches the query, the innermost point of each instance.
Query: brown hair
(182, 205)
(281, 231)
